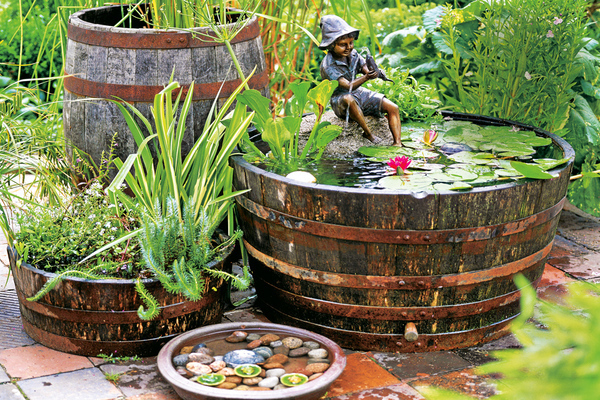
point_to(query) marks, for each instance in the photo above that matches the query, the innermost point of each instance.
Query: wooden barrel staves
(134, 64)
(91, 317)
(392, 270)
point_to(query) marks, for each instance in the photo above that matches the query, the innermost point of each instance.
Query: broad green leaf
(321, 94)
(386, 152)
(406, 182)
(469, 157)
(326, 134)
(276, 133)
(530, 170)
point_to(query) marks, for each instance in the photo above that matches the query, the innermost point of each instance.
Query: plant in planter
(183, 201)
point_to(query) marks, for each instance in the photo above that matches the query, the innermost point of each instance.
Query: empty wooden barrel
(134, 64)
(365, 266)
(91, 317)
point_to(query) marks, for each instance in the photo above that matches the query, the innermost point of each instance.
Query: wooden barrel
(134, 64)
(91, 317)
(362, 266)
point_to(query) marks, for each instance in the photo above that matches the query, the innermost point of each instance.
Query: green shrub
(560, 358)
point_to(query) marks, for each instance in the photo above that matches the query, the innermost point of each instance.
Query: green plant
(282, 134)
(180, 253)
(415, 101)
(560, 358)
(109, 358)
(58, 238)
(203, 178)
(113, 377)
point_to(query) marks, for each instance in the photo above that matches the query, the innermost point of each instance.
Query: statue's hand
(374, 74)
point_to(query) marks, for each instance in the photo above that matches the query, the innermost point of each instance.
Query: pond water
(462, 156)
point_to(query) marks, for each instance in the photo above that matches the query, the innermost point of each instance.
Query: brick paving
(29, 371)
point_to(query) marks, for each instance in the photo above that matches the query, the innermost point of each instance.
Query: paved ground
(31, 371)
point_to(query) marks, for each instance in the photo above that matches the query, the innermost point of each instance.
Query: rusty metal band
(390, 236)
(144, 347)
(280, 296)
(399, 282)
(133, 93)
(396, 342)
(116, 317)
(148, 39)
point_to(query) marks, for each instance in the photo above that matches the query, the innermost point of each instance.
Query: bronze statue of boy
(342, 63)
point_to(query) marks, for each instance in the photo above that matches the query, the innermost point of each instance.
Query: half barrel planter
(359, 265)
(91, 317)
(134, 64)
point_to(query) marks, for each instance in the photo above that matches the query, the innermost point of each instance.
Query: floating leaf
(533, 171)
(453, 175)
(549, 163)
(468, 157)
(406, 182)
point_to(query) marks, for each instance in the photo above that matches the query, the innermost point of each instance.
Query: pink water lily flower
(429, 136)
(400, 164)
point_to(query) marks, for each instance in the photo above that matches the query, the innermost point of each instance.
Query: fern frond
(191, 282)
(150, 302)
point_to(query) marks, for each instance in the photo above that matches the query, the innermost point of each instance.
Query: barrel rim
(76, 20)
(561, 143)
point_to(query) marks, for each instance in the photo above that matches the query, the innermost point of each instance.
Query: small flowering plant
(399, 164)
(56, 238)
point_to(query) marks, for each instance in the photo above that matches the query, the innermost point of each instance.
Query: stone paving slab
(34, 361)
(361, 373)
(3, 376)
(246, 315)
(85, 384)
(10, 392)
(156, 396)
(465, 381)
(580, 229)
(576, 260)
(408, 366)
(553, 285)
(400, 391)
(139, 377)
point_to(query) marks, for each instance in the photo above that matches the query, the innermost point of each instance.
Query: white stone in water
(275, 372)
(318, 353)
(280, 386)
(269, 382)
(302, 176)
(311, 344)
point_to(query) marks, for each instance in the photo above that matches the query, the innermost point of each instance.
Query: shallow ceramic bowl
(193, 391)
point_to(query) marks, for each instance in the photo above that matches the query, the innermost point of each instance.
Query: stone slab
(407, 366)
(400, 391)
(361, 373)
(35, 361)
(465, 381)
(3, 376)
(85, 384)
(553, 286)
(247, 315)
(10, 392)
(580, 229)
(575, 259)
(138, 377)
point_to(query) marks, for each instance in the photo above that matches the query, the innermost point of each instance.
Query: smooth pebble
(275, 372)
(318, 353)
(269, 382)
(311, 344)
(299, 352)
(292, 342)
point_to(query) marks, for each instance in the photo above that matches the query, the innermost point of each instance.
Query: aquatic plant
(399, 164)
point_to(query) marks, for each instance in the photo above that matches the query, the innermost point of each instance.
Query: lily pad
(294, 379)
(456, 186)
(549, 163)
(210, 379)
(453, 175)
(247, 370)
(386, 152)
(532, 171)
(406, 182)
(468, 157)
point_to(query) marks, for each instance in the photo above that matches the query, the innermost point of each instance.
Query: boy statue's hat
(332, 28)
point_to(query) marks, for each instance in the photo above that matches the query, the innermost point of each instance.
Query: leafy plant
(560, 358)
(415, 101)
(113, 377)
(203, 178)
(282, 134)
(180, 253)
(110, 358)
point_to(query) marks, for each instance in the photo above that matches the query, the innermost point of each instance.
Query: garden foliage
(560, 358)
